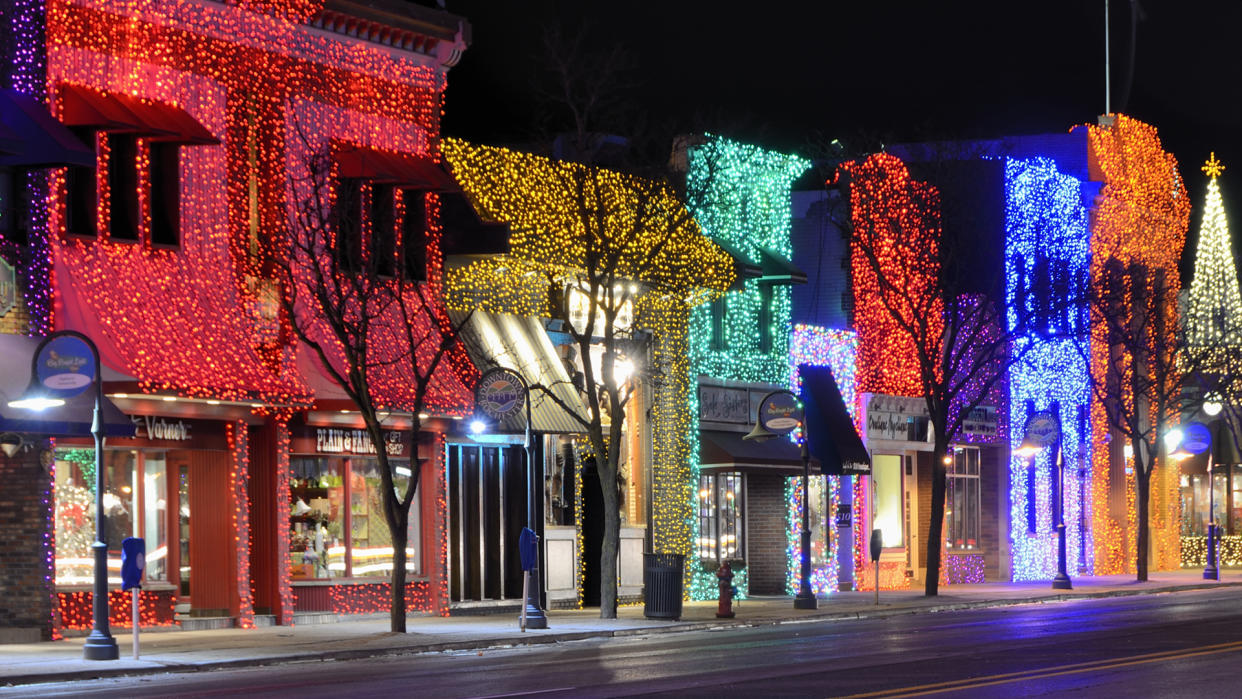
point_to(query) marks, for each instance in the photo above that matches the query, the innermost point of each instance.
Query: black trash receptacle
(662, 576)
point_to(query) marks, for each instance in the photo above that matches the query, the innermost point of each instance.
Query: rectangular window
(765, 318)
(13, 211)
(414, 235)
(383, 231)
(962, 509)
(319, 519)
(316, 518)
(720, 308)
(886, 476)
(123, 180)
(135, 504)
(165, 197)
(721, 517)
(347, 215)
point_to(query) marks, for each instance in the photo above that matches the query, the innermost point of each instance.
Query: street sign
(1196, 438)
(1042, 428)
(65, 365)
(500, 393)
(845, 516)
(780, 412)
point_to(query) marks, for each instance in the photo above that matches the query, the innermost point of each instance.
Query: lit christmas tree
(1215, 314)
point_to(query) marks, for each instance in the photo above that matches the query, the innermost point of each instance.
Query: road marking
(1055, 671)
(521, 694)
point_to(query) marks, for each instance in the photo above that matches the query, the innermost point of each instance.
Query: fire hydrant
(724, 609)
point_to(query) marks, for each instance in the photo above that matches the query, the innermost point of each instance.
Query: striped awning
(522, 345)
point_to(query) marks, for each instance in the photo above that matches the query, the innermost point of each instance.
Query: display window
(337, 524)
(135, 501)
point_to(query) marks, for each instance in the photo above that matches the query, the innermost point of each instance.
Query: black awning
(778, 270)
(743, 268)
(728, 451)
(830, 432)
(73, 419)
(34, 138)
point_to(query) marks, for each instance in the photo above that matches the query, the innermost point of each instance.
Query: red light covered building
(245, 468)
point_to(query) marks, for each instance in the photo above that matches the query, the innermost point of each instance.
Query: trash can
(662, 576)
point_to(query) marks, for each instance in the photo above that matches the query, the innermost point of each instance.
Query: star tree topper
(1213, 167)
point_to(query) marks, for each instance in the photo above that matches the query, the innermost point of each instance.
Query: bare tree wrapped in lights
(927, 318)
(1157, 369)
(361, 291)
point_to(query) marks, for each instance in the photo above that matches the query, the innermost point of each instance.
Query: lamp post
(779, 413)
(1185, 442)
(64, 365)
(500, 393)
(1042, 430)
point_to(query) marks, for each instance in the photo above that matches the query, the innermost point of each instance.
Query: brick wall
(26, 530)
(765, 531)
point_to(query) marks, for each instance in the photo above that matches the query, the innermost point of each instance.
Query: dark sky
(777, 72)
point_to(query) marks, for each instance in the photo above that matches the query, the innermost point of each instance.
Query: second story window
(137, 189)
(382, 198)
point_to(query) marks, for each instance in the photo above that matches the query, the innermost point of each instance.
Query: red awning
(400, 169)
(81, 106)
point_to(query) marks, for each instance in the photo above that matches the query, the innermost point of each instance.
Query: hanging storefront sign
(1196, 438)
(1042, 429)
(8, 287)
(725, 404)
(500, 393)
(780, 412)
(897, 418)
(65, 365)
(981, 422)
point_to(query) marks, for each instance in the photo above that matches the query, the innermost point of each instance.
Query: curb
(482, 644)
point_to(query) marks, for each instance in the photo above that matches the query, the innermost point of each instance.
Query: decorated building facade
(243, 466)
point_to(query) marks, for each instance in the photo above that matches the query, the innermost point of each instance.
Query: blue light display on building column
(1047, 256)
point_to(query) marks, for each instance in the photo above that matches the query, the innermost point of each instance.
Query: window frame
(959, 475)
(712, 514)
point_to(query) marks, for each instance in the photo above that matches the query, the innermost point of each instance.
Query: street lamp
(1198, 438)
(64, 365)
(501, 393)
(779, 413)
(1043, 429)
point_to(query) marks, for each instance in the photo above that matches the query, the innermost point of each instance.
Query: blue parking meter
(526, 547)
(133, 561)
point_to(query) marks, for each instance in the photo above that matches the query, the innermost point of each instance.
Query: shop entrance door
(208, 558)
(486, 512)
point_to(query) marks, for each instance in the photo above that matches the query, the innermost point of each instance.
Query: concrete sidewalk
(191, 651)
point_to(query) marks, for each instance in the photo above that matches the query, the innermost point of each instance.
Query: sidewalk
(190, 651)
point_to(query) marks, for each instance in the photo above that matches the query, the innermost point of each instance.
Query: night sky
(786, 75)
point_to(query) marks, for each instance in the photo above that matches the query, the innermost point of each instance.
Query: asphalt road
(1187, 644)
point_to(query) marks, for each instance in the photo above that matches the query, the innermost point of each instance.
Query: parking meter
(133, 562)
(529, 552)
(877, 544)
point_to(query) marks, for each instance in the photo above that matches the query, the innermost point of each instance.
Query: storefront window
(135, 503)
(962, 513)
(886, 480)
(371, 549)
(1194, 504)
(721, 512)
(319, 519)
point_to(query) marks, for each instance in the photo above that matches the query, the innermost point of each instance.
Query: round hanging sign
(1042, 429)
(780, 412)
(1196, 438)
(500, 393)
(65, 365)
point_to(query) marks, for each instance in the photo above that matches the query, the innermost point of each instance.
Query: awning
(720, 450)
(521, 344)
(743, 268)
(402, 169)
(31, 137)
(779, 270)
(80, 106)
(73, 419)
(830, 432)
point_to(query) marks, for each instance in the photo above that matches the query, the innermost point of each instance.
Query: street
(1170, 645)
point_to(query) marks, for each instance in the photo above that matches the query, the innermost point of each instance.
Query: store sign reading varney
(157, 428)
(338, 441)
